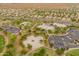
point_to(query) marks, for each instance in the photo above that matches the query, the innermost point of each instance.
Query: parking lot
(71, 40)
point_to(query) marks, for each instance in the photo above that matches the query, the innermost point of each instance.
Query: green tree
(60, 51)
(41, 52)
(29, 46)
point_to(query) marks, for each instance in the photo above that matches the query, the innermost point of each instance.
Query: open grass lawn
(1, 42)
(74, 52)
(43, 52)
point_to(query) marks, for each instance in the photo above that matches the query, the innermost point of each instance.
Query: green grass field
(74, 52)
(1, 42)
(42, 51)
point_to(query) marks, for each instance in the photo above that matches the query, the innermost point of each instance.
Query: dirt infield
(36, 5)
